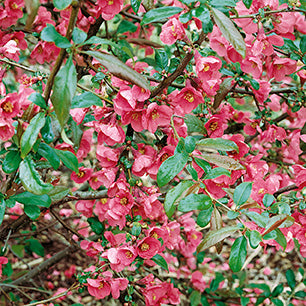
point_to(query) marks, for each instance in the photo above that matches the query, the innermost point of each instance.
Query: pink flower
(92, 248)
(188, 98)
(109, 8)
(122, 202)
(99, 287)
(300, 176)
(9, 106)
(104, 177)
(198, 282)
(253, 66)
(172, 31)
(110, 133)
(85, 207)
(148, 247)
(83, 175)
(280, 67)
(156, 115)
(207, 68)
(107, 157)
(7, 130)
(215, 126)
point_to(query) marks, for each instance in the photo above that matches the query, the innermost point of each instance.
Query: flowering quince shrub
(143, 136)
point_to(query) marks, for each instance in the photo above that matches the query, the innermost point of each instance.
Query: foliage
(141, 139)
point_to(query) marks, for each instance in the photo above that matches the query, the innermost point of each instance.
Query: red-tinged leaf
(278, 221)
(64, 88)
(216, 223)
(229, 31)
(224, 89)
(213, 237)
(119, 69)
(144, 42)
(218, 144)
(223, 161)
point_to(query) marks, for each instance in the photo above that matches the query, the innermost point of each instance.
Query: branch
(61, 56)
(24, 220)
(285, 10)
(43, 266)
(179, 70)
(285, 189)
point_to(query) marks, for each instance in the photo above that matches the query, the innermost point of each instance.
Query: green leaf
(203, 164)
(126, 26)
(214, 285)
(49, 153)
(194, 202)
(223, 161)
(213, 237)
(247, 3)
(96, 226)
(32, 199)
(37, 99)
(119, 69)
(278, 290)
(300, 294)
(64, 88)
(18, 250)
(11, 161)
(47, 131)
(35, 246)
(2, 209)
(216, 172)
(61, 4)
(50, 34)
(194, 124)
(242, 193)
(254, 239)
(238, 254)
(190, 144)
(135, 4)
(260, 220)
(85, 100)
(290, 279)
(244, 301)
(159, 14)
(31, 179)
(268, 199)
(136, 229)
(204, 216)
(78, 36)
(277, 302)
(218, 144)
(94, 40)
(254, 84)
(192, 172)
(303, 44)
(229, 31)
(264, 287)
(171, 167)
(161, 59)
(159, 260)
(29, 136)
(68, 159)
(58, 193)
(32, 211)
(173, 195)
(195, 298)
(232, 214)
